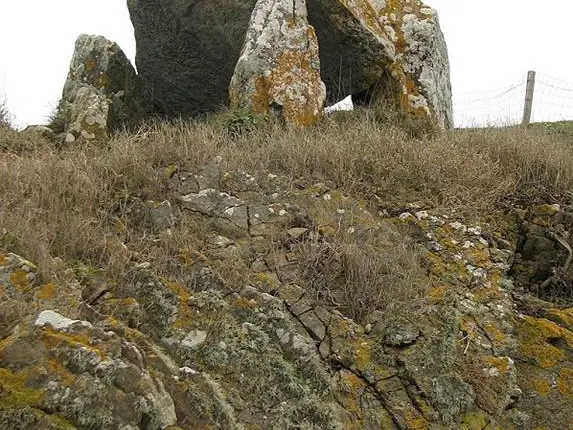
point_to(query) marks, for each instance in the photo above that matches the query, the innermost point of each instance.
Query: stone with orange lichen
(392, 50)
(17, 275)
(278, 71)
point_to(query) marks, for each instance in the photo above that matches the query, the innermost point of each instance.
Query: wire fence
(552, 101)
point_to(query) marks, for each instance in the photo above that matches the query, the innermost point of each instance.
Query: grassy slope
(56, 202)
(559, 127)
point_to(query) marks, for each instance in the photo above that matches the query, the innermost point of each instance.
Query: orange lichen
(291, 67)
(243, 303)
(55, 368)
(46, 292)
(415, 420)
(19, 279)
(3, 259)
(436, 294)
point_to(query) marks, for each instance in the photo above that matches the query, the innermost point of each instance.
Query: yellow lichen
(474, 421)
(487, 292)
(477, 256)
(468, 326)
(415, 420)
(327, 230)
(185, 316)
(500, 363)
(54, 339)
(170, 170)
(3, 259)
(545, 210)
(265, 280)
(533, 334)
(14, 391)
(562, 316)
(565, 381)
(494, 333)
(189, 257)
(540, 386)
(446, 272)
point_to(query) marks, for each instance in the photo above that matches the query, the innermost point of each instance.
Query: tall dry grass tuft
(376, 270)
(62, 202)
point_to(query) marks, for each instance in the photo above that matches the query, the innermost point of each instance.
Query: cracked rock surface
(288, 343)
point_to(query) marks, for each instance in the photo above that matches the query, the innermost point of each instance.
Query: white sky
(492, 44)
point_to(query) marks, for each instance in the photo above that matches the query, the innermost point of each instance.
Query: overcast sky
(492, 44)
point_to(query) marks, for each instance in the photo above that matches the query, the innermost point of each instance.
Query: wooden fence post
(527, 108)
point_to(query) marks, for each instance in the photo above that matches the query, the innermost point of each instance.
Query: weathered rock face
(98, 95)
(186, 52)
(279, 69)
(392, 49)
(279, 346)
(544, 255)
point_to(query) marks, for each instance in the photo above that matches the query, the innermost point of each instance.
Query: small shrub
(240, 122)
(57, 119)
(5, 117)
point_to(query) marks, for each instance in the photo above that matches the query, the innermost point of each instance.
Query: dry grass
(62, 202)
(376, 270)
(490, 391)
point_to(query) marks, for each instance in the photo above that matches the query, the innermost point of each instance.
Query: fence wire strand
(552, 101)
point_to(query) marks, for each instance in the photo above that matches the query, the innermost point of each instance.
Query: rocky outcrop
(544, 254)
(303, 308)
(99, 93)
(278, 71)
(389, 50)
(188, 51)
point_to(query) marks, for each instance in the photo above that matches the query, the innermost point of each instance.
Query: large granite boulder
(279, 69)
(98, 95)
(187, 52)
(393, 50)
